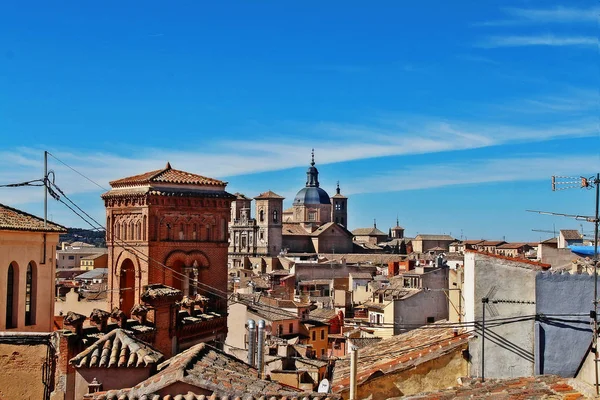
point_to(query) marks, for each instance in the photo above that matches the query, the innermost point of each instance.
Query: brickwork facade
(166, 218)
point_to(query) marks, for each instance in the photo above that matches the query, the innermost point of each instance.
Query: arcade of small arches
(19, 292)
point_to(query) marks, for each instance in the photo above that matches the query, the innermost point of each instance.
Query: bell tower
(269, 208)
(339, 209)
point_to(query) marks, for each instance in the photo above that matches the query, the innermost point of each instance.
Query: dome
(311, 195)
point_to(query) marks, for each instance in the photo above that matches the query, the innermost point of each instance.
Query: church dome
(312, 194)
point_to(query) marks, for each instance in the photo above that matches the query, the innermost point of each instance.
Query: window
(275, 216)
(261, 235)
(280, 330)
(322, 334)
(430, 320)
(314, 335)
(338, 206)
(11, 289)
(291, 328)
(312, 216)
(261, 215)
(322, 352)
(71, 257)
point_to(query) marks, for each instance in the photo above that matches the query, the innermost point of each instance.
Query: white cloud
(476, 172)
(539, 40)
(564, 15)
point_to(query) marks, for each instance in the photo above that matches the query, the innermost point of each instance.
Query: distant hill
(97, 238)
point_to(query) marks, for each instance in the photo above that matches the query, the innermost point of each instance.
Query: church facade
(315, 223)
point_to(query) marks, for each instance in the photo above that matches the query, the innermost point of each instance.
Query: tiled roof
(117, 348)
(94, 274)
(294, 229)
(210, 370)
(368, 232)
(399, 353)
(491, 243)
(323, 313)
(570, 234)
(434, 237)
(361, 275)
(122, 395)
(269, 195)
(524, 262)
(174, 192)
(325, 227)
(532, 387)
(363, 342)
(95, 255)
(167, 175)
(367, 245)
(241, 196)
(17, 220)
(513, 245)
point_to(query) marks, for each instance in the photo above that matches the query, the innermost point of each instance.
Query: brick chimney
(140, 313)
(163, 300)
(120, 317)
(100, 319)
(75, 321)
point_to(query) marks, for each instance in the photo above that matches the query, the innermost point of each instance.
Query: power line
(77, 172)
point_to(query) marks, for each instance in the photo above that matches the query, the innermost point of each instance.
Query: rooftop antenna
(569, 182)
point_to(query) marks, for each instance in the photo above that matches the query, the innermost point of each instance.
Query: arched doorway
(127, 286)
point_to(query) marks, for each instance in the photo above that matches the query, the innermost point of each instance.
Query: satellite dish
(323, 386)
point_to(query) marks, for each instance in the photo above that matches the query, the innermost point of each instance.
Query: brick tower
(168, 217)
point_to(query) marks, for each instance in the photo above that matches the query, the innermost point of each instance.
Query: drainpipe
(251, 341)
(260, 351)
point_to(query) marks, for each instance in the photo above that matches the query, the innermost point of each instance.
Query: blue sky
(451, 115)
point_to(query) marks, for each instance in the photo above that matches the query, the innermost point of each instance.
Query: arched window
(11, 297)
(275, 216)
(124, 237)
(261, 215)
(30, 295)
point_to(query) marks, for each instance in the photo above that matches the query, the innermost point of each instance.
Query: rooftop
(93, 274)
(210, 370)
(399, 353)
(434, 237)
(269, 195)
(526, 263)
(117, 348)
(533, 387)
(166, 175)
(17, 220)
(372, 231)
(570, 234)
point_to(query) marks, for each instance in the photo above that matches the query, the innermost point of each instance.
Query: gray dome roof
(311, 195)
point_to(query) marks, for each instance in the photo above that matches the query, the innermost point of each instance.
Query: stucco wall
(414, 311)
(436, 374)
(21, 371)
(110, 378)
(83, 306)
(21, 248)
(509, 347)
(562, 344)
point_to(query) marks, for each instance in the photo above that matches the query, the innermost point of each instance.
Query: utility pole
(484, 301)
(564, 183)
(45, 188)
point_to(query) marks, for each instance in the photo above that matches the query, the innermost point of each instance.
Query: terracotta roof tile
(118, 349)
(534, 387)
(210, 370)
(434, 237)
(13, 219)
(570, 234)
(269, 195)
(399, 352)
(167, 175)
(368, 232)
(529, 263)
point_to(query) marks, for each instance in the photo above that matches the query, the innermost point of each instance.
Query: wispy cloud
(476, 58)
(538, 40)
(558, 15)
(487, 171)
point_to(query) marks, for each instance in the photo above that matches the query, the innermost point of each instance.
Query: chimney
(75, 321)
(100, 319)
(251, 341)
(260, 351)
(120, 316)
(140, 313)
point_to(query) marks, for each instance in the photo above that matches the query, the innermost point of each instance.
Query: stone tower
(166, 218)
(339, 210)
(269, 209)
(397, 231)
